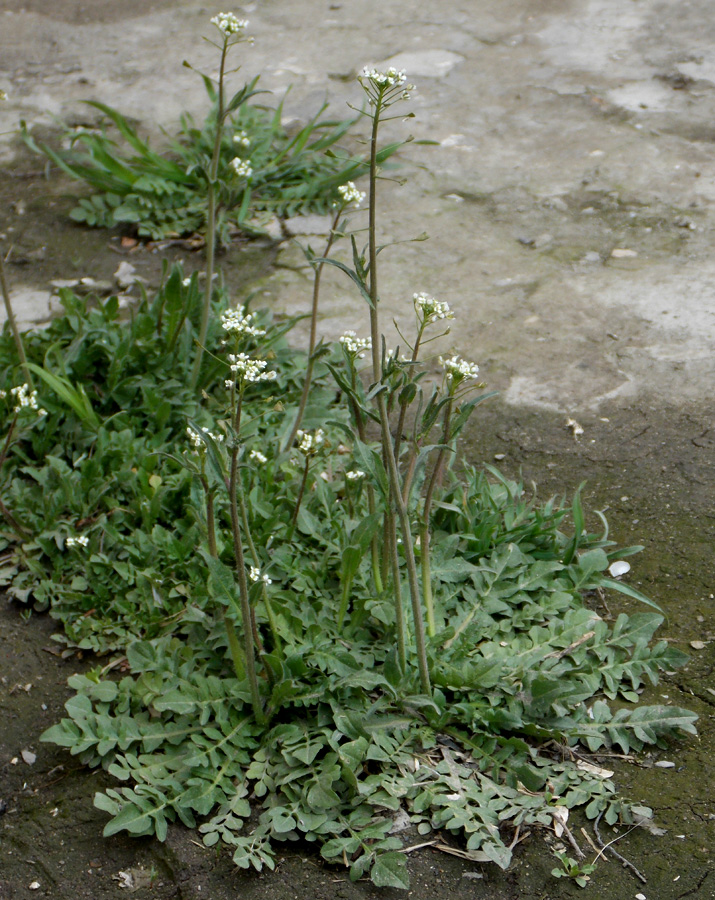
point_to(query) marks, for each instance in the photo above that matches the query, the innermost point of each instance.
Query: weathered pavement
(568, 198)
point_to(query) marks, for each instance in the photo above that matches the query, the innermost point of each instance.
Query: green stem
(211, 223)
(400, 624)
(313, 336)
(425, 525)
(371, 504)
(13, 324)
(237, 657)
(246, 617)
(388, 447)
(272, 622)
(405, 403)
(299, 500)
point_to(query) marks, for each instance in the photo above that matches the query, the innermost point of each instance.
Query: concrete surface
(569, 131)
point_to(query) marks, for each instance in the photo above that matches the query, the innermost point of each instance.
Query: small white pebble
(640, 897)
(665, 764)
(34, 885)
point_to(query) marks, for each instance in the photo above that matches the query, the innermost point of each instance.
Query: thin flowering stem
(318, 271)
(371, 502)
(234, 646)
(246, 612)
(400, 623)
(211, 221)
(434, 480)
(299, 499)
(381, 97)
(270, 613)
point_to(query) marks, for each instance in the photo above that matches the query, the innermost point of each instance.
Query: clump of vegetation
(257, 167)
(326, 631)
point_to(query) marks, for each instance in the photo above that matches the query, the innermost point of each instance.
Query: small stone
(34, 885)
(28, 756)
(623, 253)
(697, 645)
(499, 456)
(592, 257)
(558, 203)
(126, 275)
(640, 897)
(618, 568)
(665, 764)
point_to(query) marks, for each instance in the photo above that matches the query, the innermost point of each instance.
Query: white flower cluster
(254, 574)
(247, 369)
(196, 439)
(24, 399)
(457, 369)
(351, 194)
(356, 475)
(228, 24)
(354, 345)
(430, 309)
(258, 457)
(235, 321)
(81, 541)
(241, 167)
(310, 443)
(391, 78)
(241, 138)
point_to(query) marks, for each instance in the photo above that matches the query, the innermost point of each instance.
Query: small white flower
(186, 281)
(80, 541)
(356, 475)
(228, 24)
(310, 443)
(355, 346)
(24, 399)
(390, 78)
(258, 457)
(457, 369)
(351, 194)
(246, 369)
(241, 167)
(197, 441)
(254, 574)
(235, 321)
(431, 310)
(241, 138)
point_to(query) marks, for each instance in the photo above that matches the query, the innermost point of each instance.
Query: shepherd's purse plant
(325, 629)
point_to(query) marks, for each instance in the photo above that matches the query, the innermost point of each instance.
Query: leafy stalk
(211, 219)
(317, 272)
(396, 499)
(246, 613)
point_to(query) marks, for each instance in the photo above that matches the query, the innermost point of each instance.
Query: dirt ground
(566, 130)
